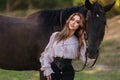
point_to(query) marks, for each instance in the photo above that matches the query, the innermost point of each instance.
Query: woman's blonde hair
(62, 35)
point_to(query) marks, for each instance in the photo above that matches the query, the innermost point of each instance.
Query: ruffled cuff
(47, 71)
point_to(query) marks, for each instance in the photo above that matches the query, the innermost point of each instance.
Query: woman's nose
(73, 22)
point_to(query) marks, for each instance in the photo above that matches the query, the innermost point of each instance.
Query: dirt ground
(113, 29)
(110, 49)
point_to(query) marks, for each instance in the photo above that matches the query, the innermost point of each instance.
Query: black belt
(61, 62)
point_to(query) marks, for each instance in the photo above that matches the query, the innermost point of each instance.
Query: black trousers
(67, 73)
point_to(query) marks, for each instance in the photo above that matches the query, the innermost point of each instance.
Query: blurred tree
(2, 5)
(78, 2)
(41, 4)
(8, 6)
(21, 4)
(11, 4)
(117, 5)
(18, 4)
(30, 5)
(48, 4)
(116, 8)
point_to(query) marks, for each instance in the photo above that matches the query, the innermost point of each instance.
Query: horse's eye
(97, 15)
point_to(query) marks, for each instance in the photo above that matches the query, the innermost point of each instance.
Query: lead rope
(94, 61)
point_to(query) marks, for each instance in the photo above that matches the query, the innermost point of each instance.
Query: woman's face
(74, 22)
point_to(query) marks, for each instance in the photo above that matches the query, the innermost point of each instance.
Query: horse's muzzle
(92, 53)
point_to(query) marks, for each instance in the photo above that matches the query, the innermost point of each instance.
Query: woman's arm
(47, 57)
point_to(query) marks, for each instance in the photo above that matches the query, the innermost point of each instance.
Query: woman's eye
(72, 19)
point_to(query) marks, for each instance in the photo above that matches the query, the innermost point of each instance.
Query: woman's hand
(49, 77)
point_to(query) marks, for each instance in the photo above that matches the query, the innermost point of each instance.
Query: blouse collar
(71, 40)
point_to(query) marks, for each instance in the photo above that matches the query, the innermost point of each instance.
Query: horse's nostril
(92, 56)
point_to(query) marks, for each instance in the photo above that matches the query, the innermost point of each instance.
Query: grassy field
(106, 68)
(95, 74)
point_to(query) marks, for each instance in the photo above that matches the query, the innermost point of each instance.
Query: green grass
(18, 75)
(93, 74)
(98, 75)
(106, 68)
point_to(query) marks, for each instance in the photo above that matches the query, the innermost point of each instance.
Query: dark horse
(23, 39)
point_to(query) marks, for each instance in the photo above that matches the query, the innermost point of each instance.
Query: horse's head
(95, 26)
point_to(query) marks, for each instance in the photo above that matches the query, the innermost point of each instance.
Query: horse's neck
(51, 18)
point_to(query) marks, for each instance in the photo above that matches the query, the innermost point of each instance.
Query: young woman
(64, 46)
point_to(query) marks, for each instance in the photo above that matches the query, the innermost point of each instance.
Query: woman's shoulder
(55, 33)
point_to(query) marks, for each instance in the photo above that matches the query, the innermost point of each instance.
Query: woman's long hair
(64, 34)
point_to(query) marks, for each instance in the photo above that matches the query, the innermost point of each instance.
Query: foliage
(53, 4)
(48, 4)
(2, 4)
(78, 2)
(115, 10)
(117, 5)
(37, 4)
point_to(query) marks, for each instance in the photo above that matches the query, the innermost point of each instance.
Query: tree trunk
(8, 6)
(30, 6)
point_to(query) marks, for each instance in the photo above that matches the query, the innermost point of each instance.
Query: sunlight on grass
(99, 75)
(91, 71)
(97, 68)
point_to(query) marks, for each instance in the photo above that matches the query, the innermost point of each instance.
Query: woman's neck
(71, 33)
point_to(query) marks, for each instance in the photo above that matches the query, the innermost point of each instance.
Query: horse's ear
(87, 4)
(108, 7)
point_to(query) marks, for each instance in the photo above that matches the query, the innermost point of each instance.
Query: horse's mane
(52, 16)
(52, 11)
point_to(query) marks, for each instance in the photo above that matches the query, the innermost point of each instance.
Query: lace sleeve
(46, 57)
(50, 41)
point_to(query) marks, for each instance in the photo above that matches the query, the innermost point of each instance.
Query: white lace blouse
(67, 49)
